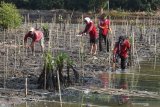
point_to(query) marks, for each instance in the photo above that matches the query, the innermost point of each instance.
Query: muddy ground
(17, 63)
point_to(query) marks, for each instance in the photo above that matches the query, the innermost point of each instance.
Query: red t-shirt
(122, 49)
(91, 29)
(37, 36)
(104, 26)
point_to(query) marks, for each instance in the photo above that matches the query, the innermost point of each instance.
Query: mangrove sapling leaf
(45, 28)
(59, 63)
(49, 74)
(46, 78)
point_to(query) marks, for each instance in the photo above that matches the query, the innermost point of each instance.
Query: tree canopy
(87, 5)
(9, 16)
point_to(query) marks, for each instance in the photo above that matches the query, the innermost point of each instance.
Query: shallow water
(146, 79)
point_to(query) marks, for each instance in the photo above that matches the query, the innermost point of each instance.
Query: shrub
(9, 16)
(45, 28)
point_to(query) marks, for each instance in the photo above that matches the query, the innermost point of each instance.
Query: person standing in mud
(91, 29)
(121, 50)
(36, 36)
(104, 28)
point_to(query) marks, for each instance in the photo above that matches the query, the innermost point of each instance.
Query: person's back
(38, 35)
(91, 29)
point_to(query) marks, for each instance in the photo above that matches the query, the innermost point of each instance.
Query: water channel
(146, 79)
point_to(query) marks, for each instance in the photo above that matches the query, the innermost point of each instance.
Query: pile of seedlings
(56, 72)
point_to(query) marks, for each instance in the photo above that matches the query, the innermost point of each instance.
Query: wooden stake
(26, 86)
(155, 58)
(59, 88)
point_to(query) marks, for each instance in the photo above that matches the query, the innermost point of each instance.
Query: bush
(9, 16)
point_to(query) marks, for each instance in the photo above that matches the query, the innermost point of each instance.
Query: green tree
(9, 16)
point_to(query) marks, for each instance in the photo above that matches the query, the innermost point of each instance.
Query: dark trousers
(106, 42)
(123, 63)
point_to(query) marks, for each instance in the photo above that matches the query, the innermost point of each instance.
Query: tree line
(87, 5)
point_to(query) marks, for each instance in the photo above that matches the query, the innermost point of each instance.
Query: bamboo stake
(28, 19)
(112, 48)
(51, 37)
(50, 41)
(26, 104)
(26, 87)
(45, 75)
(19, 44)
(70, 40)
(4, 63)
(15, 54)
(133, 46)
(59, 88)
(132, 82)
(139, 69)
(7, 63)
(126, 28)
(155, 47)
(57, 38)
(64, 36)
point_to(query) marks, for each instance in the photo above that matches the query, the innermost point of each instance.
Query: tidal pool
(146, 79)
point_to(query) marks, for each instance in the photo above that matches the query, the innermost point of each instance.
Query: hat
(32, 29)
(87, 19)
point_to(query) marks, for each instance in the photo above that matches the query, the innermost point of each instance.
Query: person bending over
(36, 36)
(91, 29)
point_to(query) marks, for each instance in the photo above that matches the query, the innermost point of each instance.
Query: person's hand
(110, 30)
(79, 35)
(83, 34)
(114, 59)
(27, 46)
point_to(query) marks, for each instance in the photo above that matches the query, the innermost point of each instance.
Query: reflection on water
(147, 80)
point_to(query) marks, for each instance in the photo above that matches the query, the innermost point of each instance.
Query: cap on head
(87, 19)
(32, 29)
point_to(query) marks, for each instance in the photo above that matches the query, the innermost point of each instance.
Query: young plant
(46, 78)
(45, 28)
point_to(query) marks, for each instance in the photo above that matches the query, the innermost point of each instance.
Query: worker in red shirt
(121, 50)
(104, 28)
(36, 36)
(91, 29)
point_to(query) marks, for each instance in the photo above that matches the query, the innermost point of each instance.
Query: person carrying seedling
(104, 28)
(91, 29)
(36, 36)
(121, 50)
